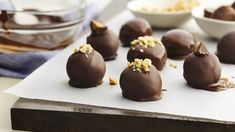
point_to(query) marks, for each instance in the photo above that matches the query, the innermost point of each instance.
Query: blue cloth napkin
(20, 65)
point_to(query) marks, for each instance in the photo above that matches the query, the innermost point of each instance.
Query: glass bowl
(29, 25)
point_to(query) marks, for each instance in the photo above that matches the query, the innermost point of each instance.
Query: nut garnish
(173, 65)
(182, 5)
(140, 65)
(85, 48)
(112, 81)
(226, 83)
(95, 25)
(199, 49)
(146, 41)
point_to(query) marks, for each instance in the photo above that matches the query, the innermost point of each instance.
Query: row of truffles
(140, 80)
(106, 42)
(177, 42)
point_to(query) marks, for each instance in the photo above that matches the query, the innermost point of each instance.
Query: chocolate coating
(156, 54)
(105, 42)
(233, 5)
(140, 86)
(226, 13)
(133, 29)
(202, 72)
(226, 48)
(85, 71)
(178, 43)
(208, 13)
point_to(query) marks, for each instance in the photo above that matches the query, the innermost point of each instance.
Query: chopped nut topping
(181, 5)
(146, 41)
(139, 65)
(112, 81)
(95, 25)
(199, 49)
(173, 66)
(85, 48)
(226, 83)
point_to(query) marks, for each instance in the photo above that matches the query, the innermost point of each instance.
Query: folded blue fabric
(20, 65)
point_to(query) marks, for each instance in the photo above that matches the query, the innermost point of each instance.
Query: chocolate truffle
(233, 5)
(226, 13)
(202, 70)
(85, 67)
(103, 40)
(226, 48)
(148, 47)
(208, 13)
(133, 29)
(178, 43)
(140, 81)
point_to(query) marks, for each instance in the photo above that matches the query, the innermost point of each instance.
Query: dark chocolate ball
(156, 54)
(85, 70)
(141, 86)
(226, 48)
(178, 43)
(133, 29)
(226, 13)
(208, 13)
(233, 5)
(202, 71)
(104, 41)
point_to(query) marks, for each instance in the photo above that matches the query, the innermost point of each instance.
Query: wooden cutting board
(39, 115)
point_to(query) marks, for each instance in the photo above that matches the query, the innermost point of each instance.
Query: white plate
(163, 20)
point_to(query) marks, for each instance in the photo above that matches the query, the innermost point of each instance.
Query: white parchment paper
(49, 82)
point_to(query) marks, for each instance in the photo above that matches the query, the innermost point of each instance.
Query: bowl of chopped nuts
(163, 13)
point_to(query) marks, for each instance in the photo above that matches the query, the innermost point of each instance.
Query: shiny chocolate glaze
(85, 70)
(202, 71)
(133, 29)
(105, 41)
(226, 48)
(178, 43)
(156, 54)
(141, 86)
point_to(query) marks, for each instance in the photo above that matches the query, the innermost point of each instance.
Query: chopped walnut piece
(146, 41)
(139, 65)
(181, 5)
(173, 66)
(112, 81)
(85, 48)
(95, 25)
(226, 83)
